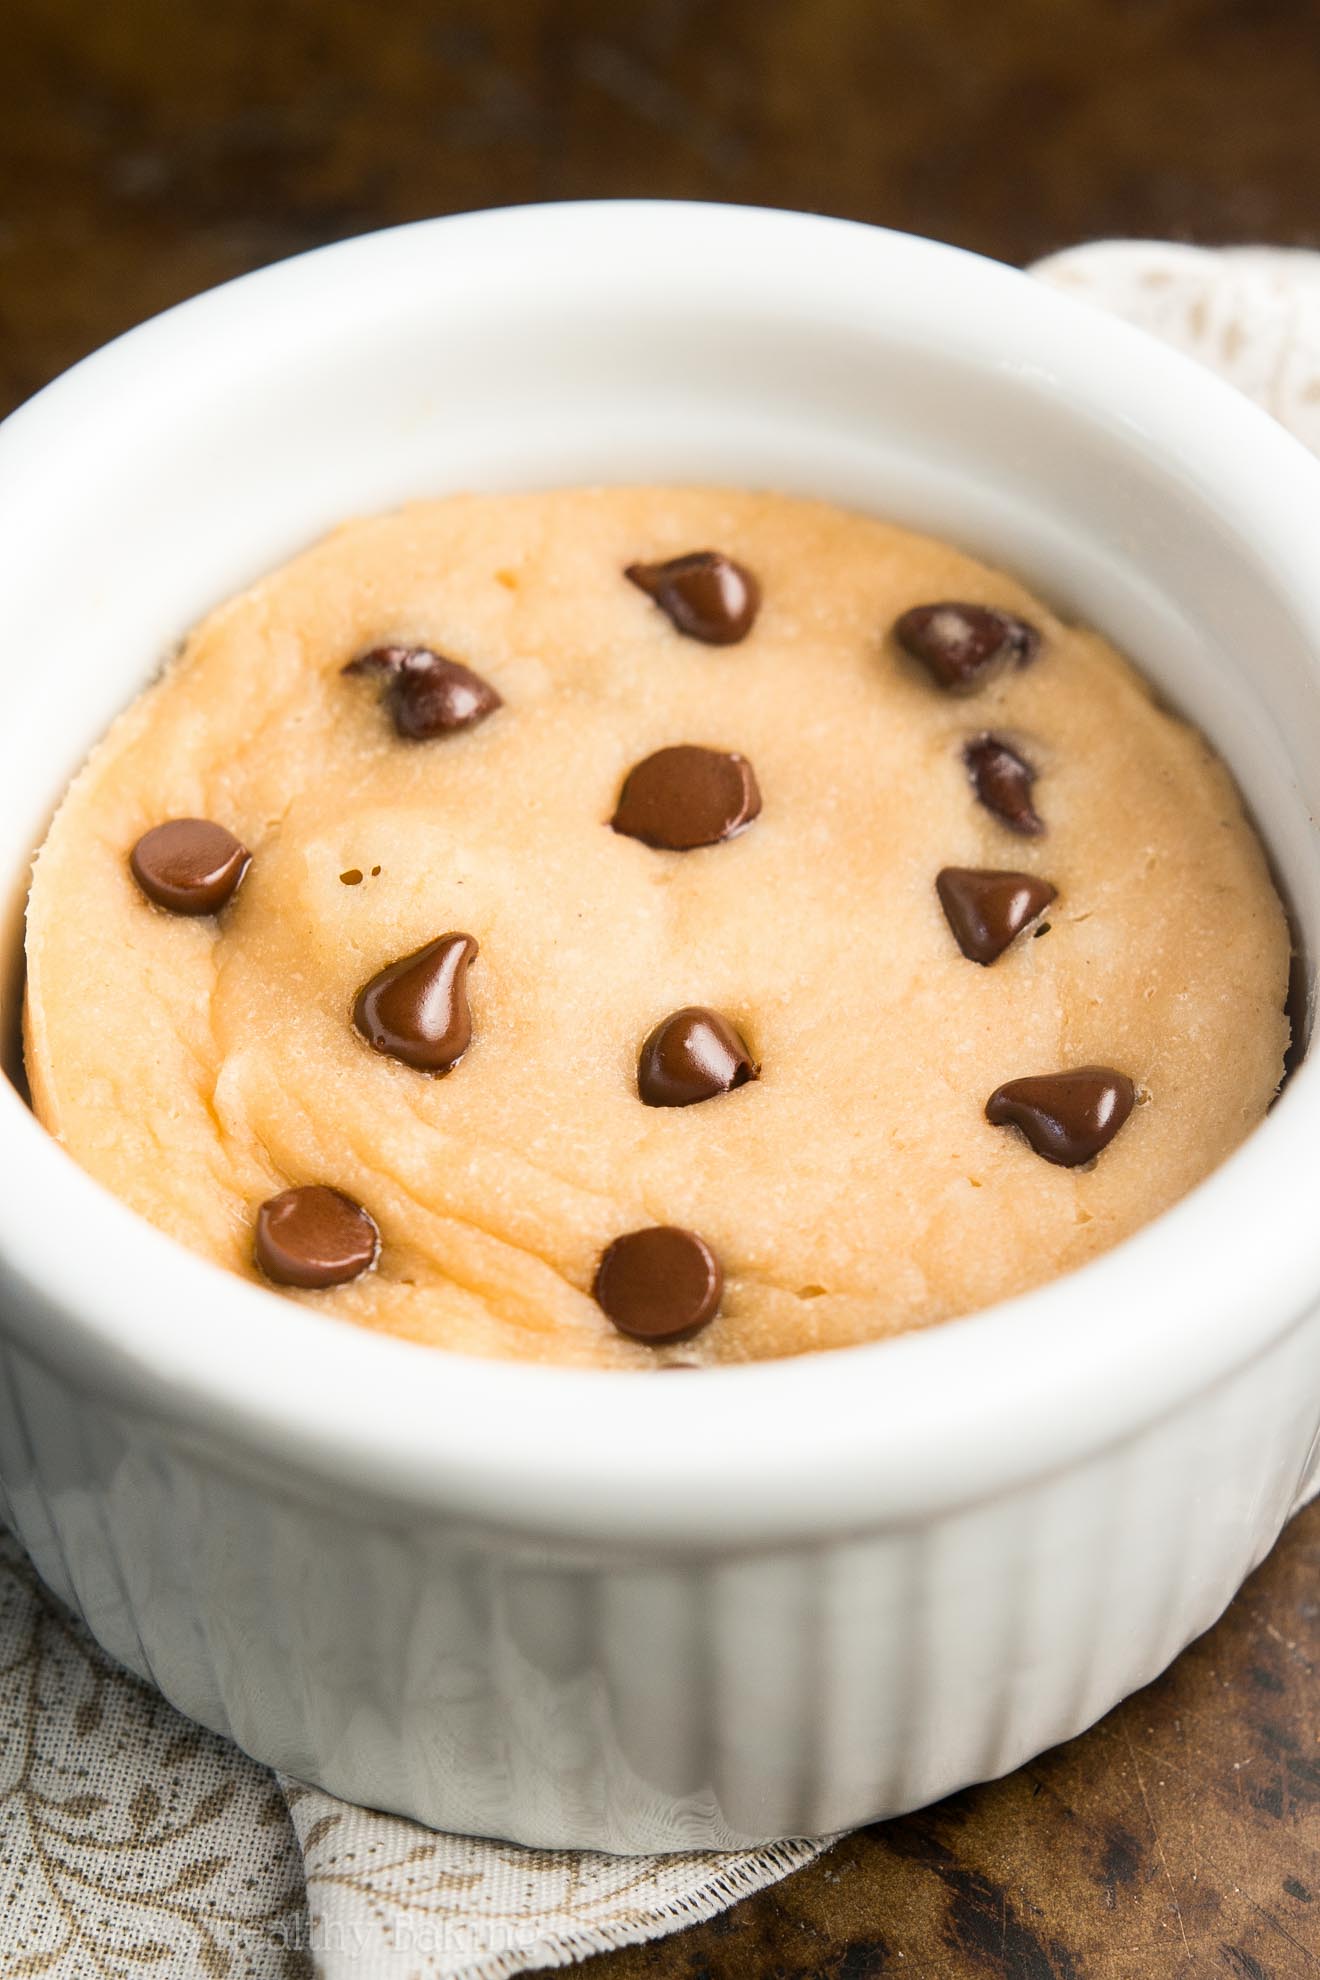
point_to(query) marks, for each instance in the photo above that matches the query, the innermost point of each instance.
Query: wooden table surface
(149, 148)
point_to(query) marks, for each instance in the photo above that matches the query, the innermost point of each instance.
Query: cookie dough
(422, 968)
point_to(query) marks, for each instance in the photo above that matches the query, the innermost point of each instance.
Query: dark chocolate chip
(687, 796)
(1002, 780)
(315, 1237)
(1296, 1008)
(660, 1284)
(416, 1009)
(987, 909)
(426, 694)
(1067, 1117)
(706, 595)
(188, 865)
(962, 647)
(692, 1055)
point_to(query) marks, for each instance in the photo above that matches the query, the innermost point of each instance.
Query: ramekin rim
(903, 1423)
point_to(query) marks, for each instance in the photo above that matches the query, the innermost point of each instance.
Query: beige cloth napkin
(132, 1844)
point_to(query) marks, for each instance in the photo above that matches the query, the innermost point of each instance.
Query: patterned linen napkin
(1251, 314)
(134, 1846)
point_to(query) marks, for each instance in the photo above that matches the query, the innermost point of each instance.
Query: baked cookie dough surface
(200, 1065)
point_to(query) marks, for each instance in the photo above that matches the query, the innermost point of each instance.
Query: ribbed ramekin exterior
(571, 1694)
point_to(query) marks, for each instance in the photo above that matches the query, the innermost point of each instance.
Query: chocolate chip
(315, 1237)
(686, 796)
(962, 647)
(706, 595)
(188, 865)
(987, 909)
(692, 1055)
(1002, 780)
(660, 1284)
(1067, 1117)
(426, 694)
(416, 1009)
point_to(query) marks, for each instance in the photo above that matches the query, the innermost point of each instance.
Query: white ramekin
(577, 1608)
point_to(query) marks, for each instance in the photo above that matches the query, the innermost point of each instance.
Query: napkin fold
(133, 1844)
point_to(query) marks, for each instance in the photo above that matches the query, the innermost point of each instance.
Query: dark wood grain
(150, 148)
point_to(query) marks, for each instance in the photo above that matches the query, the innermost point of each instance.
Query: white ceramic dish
(578, 1608)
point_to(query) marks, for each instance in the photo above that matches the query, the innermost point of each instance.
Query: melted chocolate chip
(1002, 780)
(315, 1237)
(987, 909)
(693, 1055)
(426, 694)
(705, 594)
(188, 865)
(962, 647)
(686, 796)
(1067, 1117)
(660, 1284)
(416, 1009)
